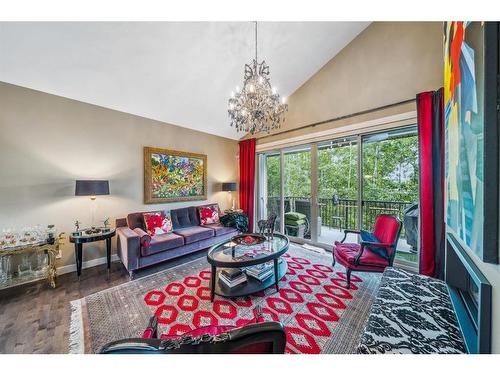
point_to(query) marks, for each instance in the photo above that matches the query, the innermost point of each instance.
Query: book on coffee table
(262, 271)
(232, 277)
(231, 273)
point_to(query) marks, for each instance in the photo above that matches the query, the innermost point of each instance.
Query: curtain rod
(340, 118)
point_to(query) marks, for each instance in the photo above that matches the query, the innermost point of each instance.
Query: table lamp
(92, 188)
(229, 187)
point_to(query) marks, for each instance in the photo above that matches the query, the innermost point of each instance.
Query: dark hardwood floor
(35, 318)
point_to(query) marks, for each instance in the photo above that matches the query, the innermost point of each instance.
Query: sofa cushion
(208, 215)
(194, 234)
(295, 222)
(184, 217)
(294, 216)
(136, 220)
(220, 229)
(162, 242)
(157, 223)
(346, 253)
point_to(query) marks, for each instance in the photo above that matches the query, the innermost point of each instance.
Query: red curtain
(247, 178)
(431, 153)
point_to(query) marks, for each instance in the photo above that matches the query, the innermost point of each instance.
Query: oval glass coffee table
(232, 255)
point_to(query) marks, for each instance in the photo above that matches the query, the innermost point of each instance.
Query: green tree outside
(390, 171)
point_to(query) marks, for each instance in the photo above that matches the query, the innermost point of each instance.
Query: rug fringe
(76, 337)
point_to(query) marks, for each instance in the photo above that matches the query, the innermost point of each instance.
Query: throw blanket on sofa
(411, 314)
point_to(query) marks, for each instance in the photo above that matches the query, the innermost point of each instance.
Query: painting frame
(149, 197)
(481, 238)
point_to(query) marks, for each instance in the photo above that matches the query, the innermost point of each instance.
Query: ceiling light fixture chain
(257, 106)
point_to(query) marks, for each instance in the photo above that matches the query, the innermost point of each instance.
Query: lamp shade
(229, 186)
(92, 187)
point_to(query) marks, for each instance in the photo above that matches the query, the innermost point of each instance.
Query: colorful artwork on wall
(173, 176)
(471, 140)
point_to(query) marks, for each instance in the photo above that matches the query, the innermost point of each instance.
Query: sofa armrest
(129, 245)
(145, 237)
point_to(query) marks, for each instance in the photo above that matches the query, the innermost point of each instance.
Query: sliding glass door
(269, 191)
(320, 189)
(390, 184)
(297, 192)
(337, 189)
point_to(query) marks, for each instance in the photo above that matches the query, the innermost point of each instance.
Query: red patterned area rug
(319, 314)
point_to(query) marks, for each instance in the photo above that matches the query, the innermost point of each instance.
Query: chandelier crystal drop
(257, 106)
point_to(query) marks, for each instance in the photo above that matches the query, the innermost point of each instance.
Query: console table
(13, 279)
(79, 238)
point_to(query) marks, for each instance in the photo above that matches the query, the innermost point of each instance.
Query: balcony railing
(342, 214)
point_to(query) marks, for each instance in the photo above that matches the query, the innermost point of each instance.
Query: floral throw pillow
(208, 215)
(157, 223)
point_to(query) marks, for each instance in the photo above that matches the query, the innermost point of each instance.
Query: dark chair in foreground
(365, 256)
(257, 338)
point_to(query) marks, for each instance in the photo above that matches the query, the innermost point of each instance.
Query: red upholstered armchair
(362, 257)
(257, 338)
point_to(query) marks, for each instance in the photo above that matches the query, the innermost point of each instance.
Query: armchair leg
(333, 256)
(348, 276)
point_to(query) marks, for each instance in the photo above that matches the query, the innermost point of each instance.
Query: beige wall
(387, 63)
(47, 142)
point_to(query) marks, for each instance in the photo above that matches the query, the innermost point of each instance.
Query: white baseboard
(90, 263)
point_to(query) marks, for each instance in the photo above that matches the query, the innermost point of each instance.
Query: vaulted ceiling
(181, 73)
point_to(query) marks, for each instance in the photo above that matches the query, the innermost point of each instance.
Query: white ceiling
(177, 72)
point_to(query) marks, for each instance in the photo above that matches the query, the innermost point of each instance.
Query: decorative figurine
(77, 225)
(51, 231)
(106, 222)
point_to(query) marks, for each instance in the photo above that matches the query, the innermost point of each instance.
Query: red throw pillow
(157, 223)
(208, 215)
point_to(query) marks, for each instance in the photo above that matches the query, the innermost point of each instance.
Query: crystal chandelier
(257, 107)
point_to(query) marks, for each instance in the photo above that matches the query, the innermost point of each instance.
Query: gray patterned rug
(323, 318)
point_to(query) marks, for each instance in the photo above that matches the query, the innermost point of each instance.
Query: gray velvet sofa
(188, 236)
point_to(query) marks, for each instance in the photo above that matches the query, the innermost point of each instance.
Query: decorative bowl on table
(248, 239)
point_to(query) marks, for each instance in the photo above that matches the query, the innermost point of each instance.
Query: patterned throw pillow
(157, 223)
(208, 215)
(370, 237)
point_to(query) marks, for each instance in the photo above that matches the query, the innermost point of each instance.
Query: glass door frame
(313, 146)
(397, 261)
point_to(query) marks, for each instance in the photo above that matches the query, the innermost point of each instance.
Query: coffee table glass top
(230, 254)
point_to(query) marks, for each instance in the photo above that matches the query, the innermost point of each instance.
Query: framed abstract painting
(174, 176)
(471, 135)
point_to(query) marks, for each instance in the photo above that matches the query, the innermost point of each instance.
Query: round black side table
(81, 238)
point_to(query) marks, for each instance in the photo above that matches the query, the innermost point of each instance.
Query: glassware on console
(41, 263)
(3, 241)
(39, 233)
(5, 273)
(24, 235)
(10, 237)
(24, 268)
